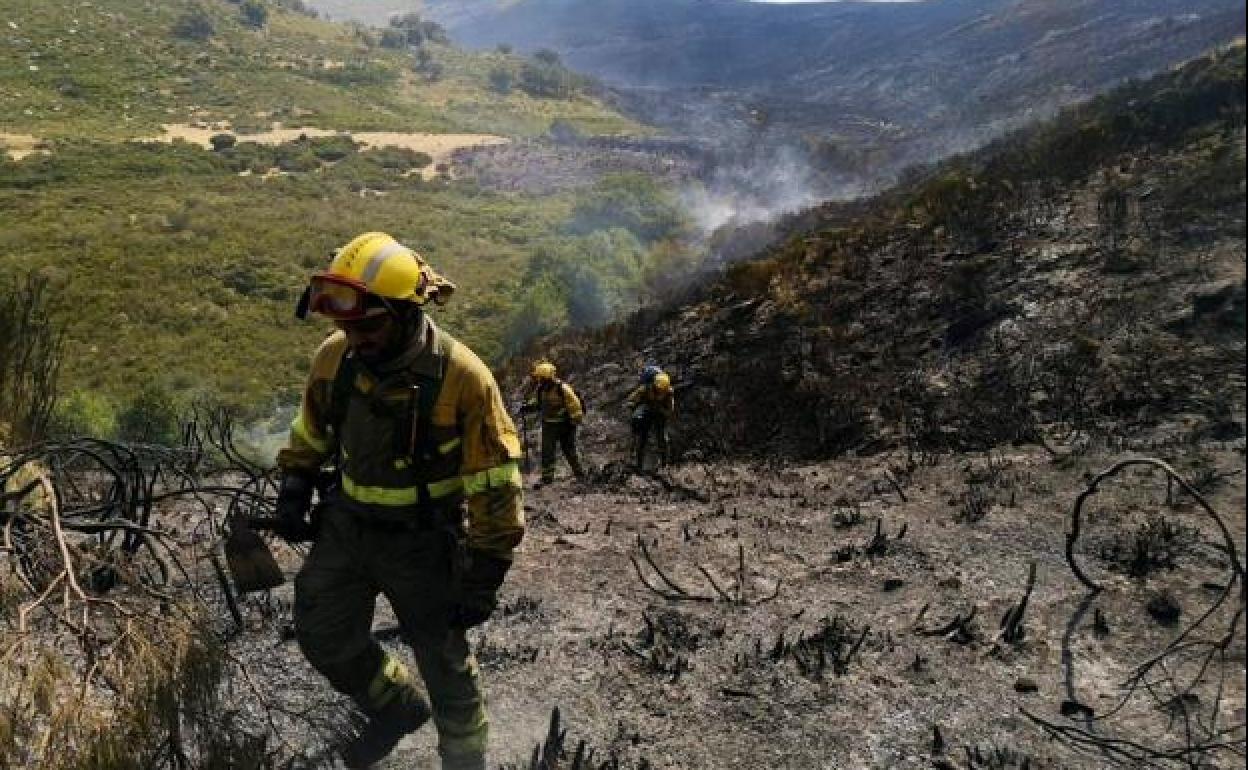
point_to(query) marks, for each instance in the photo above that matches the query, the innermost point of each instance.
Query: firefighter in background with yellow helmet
(427, 507)
(652, 403)
(561, 413)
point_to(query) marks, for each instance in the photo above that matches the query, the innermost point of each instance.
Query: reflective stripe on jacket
(394, 460)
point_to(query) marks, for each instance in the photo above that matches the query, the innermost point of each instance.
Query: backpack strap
(340, 391)
(429, 390)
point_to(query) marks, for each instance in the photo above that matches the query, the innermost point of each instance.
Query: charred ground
(885, 421)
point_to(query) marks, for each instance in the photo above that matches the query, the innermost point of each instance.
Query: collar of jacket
(424, 356)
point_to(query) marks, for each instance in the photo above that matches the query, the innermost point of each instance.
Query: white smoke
(771, 181)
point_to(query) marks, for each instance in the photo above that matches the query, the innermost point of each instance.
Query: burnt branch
(1012, 630)
(673, 592)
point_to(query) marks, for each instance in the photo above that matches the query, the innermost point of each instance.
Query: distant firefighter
(652, 403)
(561, 414)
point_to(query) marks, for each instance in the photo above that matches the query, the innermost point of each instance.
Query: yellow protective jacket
(402, 450)
(661, 400)
(557, 402)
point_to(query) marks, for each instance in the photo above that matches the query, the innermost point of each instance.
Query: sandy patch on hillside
(18, 146)
(437, 146)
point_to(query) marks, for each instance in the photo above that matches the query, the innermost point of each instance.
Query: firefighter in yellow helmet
(561, 413)
(426, 507)
(652, 403)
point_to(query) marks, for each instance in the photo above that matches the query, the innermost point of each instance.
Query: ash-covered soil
(812, 614)
(738, 679)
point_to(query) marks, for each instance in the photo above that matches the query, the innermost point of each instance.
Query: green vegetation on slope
(171, 267)
(176, 268)
(116, 68)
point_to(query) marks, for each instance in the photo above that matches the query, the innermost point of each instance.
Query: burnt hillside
(1086, 273)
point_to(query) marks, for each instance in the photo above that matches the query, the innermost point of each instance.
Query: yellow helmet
(544, 370)
(662, 381)
(378, 265)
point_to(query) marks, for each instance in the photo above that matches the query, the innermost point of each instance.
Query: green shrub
(296, 157)
(548, 81)
(354, 74)
(250, 156)
(31, 348)
(542, 312)
(332, 148)
(84, 413)
(398, 158)
(501, 80)
(151, 417)
(195, 24)
(393, 38)
(547, 56)
(634, 202)
(254, 13)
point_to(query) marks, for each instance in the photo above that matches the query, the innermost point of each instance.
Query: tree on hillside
(501, 80)
(393, 39)
(196, 24)
(424, 63)
(254, 13)
(547, 56)
(547, 81)
(633, 202)
(544, 310)
(586, 302)
(415, 31)
(300, 7)
(223, 141)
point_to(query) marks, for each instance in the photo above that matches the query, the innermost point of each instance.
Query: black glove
(478, 588)
(294, 501)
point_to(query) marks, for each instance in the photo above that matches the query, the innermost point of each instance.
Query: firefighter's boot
(474, 761)
(393, 708)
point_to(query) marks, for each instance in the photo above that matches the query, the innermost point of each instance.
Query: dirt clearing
(437, 146)
(18, 146)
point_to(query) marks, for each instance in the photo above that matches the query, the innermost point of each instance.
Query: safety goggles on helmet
(339, 298)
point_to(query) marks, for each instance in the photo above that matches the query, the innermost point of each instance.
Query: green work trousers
(645, 422)
(351, 563)
(555, 436)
